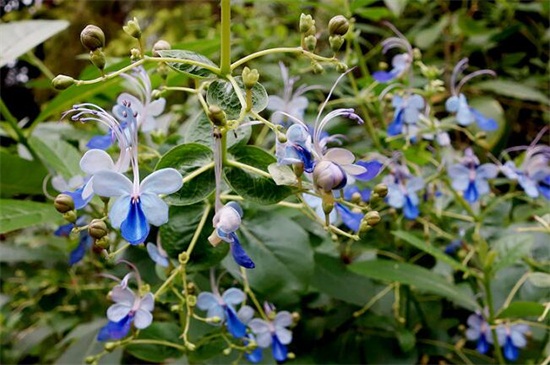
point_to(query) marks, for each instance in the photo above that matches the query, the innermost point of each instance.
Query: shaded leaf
(191, 70)
(16, 214)
(222, 94)
(522, 310)
(513, 89)
(163, 331)
(199, 130)
(58, 155)
(20, 176)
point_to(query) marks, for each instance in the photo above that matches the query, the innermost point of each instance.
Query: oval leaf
(58, 155)
(164, 331)
(16, 214)
(199, 130)
(191, 70)
(222, 94)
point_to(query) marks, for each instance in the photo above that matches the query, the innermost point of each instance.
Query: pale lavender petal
(245, 313)
(123, 295)
(353, 169)
(163, 181)
(207, 300)
(118, 311)
(284, 335)
(487, 171)
(109, 184)
(142, 319)
(147, 303)
(233, 296)
(119, 210)
(282, 319)
(156, 107)
(415, 184)
(259, 326)
(340, 156)
(275, 103)
(135, 104)
(459, 175)
(154, 208)
(96, 160)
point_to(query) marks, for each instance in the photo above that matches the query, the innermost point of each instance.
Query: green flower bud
(364, 227)
(110, 346)
(250, 77)
(336, 42)
(306, 24)
(417, 55)
(214, 319)
(63, 203)
(183, 258)
(98, 59)
(92, 37)
(132, 28)
(90, 359)
(317, 68)
(192, 300)
(341, 67)
(281, 137)
(160, 45)
(310, 42)
(227, 351)
(97, 229)
(175, 308)
(372, 218)
(295, 317)
(217, 115)
(290, 356)
(338, 25)
(298, 169)
(381, 190)
(102, 243)
(191, 288)
(190, 346)
(61, 82)
(356, 198)
(135, 54)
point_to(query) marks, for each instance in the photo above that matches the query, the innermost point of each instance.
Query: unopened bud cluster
(93, 39)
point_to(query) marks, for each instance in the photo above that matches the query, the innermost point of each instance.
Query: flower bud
(227, 351)
(160, 45)
(190, 346)
(317, 68)
(381, 190)
(63, 203)
(250, 77)
(102, 243)
(341, 67)
(281, 137)
(191, 300)
(132, 28)
(89, 359)
(298, 169)
(191, 288)
(290, 356)
(92, 37)
(364, 227)
(338, 25)
(295, 317)
(98, 59)
(335, 42)
(372, 218)
(328, 176)
(328, 206)
(183, 258)
(175, 308)
(217, 115)
(110, 346)
(97, 229)
(214, 319)
(306, 24)
(135, 54)
(310, 42)
(61, 82)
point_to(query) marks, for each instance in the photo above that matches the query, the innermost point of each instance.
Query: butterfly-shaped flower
(479, 331)
(457, 103)
(222, 307)
(534, 172)
(407, 113)
(470, 178)
(400, 62)
(297, 148)
(273, 333)
(512, 338)
(128, 308)
(402, 189)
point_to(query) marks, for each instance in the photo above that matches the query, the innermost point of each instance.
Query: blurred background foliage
(46, 306)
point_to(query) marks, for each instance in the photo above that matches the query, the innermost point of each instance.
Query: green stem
(248, 168)
(35, 61)
(269, 51)
(159, 342)
(225, 58)
(197, 172)
(12, 121)
(490, 307)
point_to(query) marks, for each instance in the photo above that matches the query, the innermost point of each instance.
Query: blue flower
(457, 103)
(222, 307)
(402, 188)
(297, 149)
(533, 175)
(128, 309)
(479, 331)
(226, 221)
(407, 113)
(512, 338)
(351, 219)
(157, 254)
(84, 243)
(137, 204)
(400, 62)
(470, 178)
(273, 333)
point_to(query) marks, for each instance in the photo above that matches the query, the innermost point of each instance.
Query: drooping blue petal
(487, 124)
(84, 244)
(79, 202)
(115, 330)
(100, 142)
(135, 227)
(156, 256)
(373, 168)
(511, 352)
(482, 344)
(410, 210)
(306, 157)
(453, 246)
(471, 193)
(255, 356)
(544, 187)
(239, 254)
(64, 230)
(384, 76)
(396, 126)
(234, 324)
(280, 352)
(350, 219)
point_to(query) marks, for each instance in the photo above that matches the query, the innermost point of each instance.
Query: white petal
(147, 303)
(259, 326)
(123, 295)
(59, 183)
(284, 335)
(142, 319)
(163, 181)
(207, 300)
(228, 219)
(216, 311)
(275, 103)
(396, 198)
(460, 176)
(233, 296)
(109, 183)
(245, 314)
(340, 156)
(154, 208)
(135, 104)
(487, 171)
(118, 311)
(282, 319)
(119, 210)
(75, 182)
(156, 107)
(415, 184)
(353, 169)
(96, 160)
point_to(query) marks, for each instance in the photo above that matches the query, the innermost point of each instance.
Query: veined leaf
(191, 70)
(222, 94)
(58, 155)
(16, 214)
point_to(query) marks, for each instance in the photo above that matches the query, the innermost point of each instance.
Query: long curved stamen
(467, 78)
(459, 68)
(293, 118)
(134, 269)
(389, 88)
(97, 114)
(347, 113)
(394, 42)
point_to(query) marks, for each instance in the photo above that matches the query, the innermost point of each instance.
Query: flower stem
(490, 306)
(248, 168)
(225, 51)
(197, 172)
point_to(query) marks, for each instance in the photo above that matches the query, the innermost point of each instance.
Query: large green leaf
(16, 214)
(176, 236)
(522, 310)
(513, 89)
(22, 36)
(199, 130)
(58, 155)
(191, 70)
(11, 254)
(415, 276)
(222, 94)
(20, 176)
(434, 251)
(250, 185)
(160, 331)
(187, 158)
(281, 252)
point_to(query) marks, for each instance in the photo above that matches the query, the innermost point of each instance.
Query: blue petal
(135, 228)
(280, 351)
(83, 245)
(255, 356)
(64, 230)
(511, 352)
(384, 76)
(373, 168)
(234, 324)
(482, 344)
(239, 255)
(115, 330)
(452, 247)
(79, 203)
(487, 124)
(306, 157)
(395, 127)
(544, 187)
(471, 194)
(351, 219)
(409, 209)
(100, 142)
(156, 256)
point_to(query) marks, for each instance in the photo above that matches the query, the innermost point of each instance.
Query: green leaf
(522, 310)
(425, 38)
(415, 276)
(191, 70)
(282, 174)
(24, 35)
(513, 89)
(333, 278)
(222, 94)
(396, 6)
(199, 130)
(252, 186)
(58, 155)
(176, 236)
(281, 252)
(16, 214)
(160, 331)
(187, 158)
(434, 251)
(374, 13)
(540, 279)
(511, 248)
(20, 176)
(11, 254)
